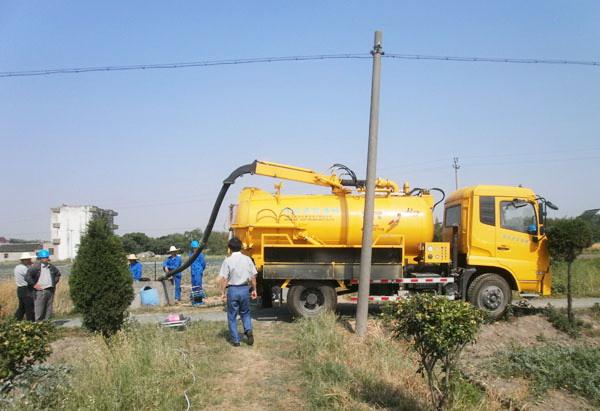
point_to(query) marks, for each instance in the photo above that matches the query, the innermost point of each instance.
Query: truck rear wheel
(309, 299)
(490, 293)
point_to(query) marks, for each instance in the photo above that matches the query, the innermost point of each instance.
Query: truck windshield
(516, 218)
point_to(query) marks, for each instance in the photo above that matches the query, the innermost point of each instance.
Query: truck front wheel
(309, 299)
(490, 293)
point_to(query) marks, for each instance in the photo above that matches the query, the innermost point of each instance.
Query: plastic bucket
(149, 296)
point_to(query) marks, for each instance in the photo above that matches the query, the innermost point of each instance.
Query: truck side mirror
(532, 229)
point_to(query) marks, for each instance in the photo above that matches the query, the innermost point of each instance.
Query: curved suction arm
(240, 171)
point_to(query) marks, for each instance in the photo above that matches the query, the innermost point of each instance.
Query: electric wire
(276, 59)
(203, 63)
(492, 59)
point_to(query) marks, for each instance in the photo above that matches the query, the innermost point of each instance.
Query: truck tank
(330, 220)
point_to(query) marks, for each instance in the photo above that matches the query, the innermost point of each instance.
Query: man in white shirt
(237, 276)
(24, 291)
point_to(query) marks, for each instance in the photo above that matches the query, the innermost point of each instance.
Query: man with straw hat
(173, 262)
(135, 267)
(24, 291)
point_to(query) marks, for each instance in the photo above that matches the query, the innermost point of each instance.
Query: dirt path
(263, 376)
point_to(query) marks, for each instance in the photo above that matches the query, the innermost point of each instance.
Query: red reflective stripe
(414, 280)
(384, 281)
(385, 298)
(443, 280)
(429, 280)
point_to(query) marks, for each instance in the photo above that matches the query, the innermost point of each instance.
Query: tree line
(140, 242)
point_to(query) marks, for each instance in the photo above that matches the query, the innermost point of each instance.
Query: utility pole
(455, 166)
(362, 309)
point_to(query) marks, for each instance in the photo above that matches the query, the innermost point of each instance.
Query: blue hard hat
(43, 254)
(195, 244)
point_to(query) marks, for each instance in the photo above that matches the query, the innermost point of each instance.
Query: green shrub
(438, 329)
(41, 386)
(101, 285)
(573, 368)
(22, 344)
(566, 240)
(560, 321)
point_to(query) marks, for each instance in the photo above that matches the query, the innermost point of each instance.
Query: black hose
(443, 195)
(240, 171)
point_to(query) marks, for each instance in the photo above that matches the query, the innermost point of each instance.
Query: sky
(155, 145)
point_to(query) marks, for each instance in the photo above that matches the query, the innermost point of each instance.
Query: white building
(68, 224)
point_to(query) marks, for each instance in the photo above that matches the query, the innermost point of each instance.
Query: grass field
(309, 364)
(586, 277)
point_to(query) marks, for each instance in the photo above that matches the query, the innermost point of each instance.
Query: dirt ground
(529, 331)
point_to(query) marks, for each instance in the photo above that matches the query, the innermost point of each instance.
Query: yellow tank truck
(493, 240)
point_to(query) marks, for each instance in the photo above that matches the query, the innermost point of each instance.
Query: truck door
(515, 249)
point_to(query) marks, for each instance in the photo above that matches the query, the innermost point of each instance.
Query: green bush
(573, 368)
(22, 344)
(101, 285)
(438, 329)
(560, 321)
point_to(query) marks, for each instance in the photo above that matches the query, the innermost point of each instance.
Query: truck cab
(499, 232)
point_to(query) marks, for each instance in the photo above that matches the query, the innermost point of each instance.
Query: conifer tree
(100, 283)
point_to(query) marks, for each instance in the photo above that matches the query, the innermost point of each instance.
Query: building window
(516, 218)
(487, 210)
(452, 216)
(5, 256)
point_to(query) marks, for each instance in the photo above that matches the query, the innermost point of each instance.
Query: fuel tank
(330, 220)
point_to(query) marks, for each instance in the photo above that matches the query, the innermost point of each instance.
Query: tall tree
(566, 240)
(100, 282)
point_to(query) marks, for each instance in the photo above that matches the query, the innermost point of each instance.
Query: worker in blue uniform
(197, 270)
(198, 266)
(135, 267)
(172, 262)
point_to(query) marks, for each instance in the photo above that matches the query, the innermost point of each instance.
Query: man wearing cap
(198, 267)
(43, 277)
(172, 262)
(237, 279)
(24, 291)
(135, 267)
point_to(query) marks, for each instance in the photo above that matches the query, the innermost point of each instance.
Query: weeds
(560, 321)
(344, 372)
(573, 368)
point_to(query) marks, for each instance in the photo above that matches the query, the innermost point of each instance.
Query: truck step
(424, 280)
(529, 295)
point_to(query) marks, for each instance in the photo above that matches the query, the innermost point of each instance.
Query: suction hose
(240, 171)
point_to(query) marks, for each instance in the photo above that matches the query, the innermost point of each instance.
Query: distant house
(12, 252)
(3, 240)
(68, 225)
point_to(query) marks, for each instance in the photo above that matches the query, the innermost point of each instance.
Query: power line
(254, 60)
(203, 63)
(494, 59)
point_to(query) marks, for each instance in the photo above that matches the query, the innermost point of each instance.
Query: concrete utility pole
(362, 309)
(455, 166)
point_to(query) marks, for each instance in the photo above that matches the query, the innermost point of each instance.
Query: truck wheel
(310, 299)
(490, 293)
